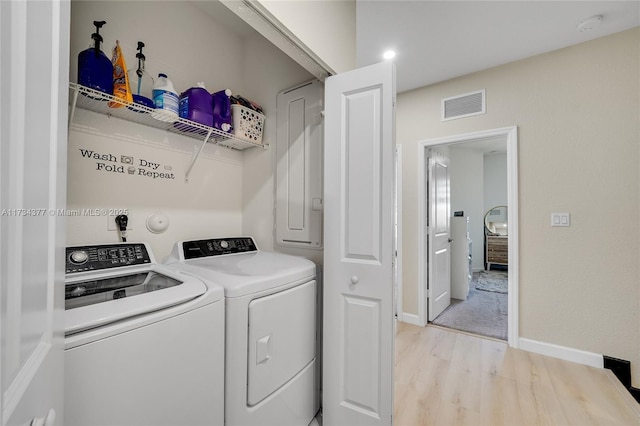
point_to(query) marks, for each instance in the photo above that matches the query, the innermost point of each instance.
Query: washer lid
(247, 273)
(99, 299)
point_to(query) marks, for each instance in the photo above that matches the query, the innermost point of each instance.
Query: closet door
(34, 74)
(299, 166)
(358, 320)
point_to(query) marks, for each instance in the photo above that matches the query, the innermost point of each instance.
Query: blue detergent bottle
(94, 67)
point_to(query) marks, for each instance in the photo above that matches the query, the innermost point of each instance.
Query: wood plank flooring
(444, 377)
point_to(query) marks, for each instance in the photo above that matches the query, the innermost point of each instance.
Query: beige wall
(577, 112)
(328, 28)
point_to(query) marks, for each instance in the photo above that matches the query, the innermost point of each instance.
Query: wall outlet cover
(560, 219)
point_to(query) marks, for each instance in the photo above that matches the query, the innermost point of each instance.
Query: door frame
(398, 257)
(511, 134)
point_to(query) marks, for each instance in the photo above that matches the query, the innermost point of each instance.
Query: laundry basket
(247, 123)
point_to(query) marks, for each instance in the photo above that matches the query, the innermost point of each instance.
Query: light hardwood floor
(444, 377)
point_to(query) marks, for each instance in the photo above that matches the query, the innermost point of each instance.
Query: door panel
(361, 203)
(358, 255)
(299, 168)
(439, 253)
(362, 356)
(33, 89)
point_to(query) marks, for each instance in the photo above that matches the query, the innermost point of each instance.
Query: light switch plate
(560, 219)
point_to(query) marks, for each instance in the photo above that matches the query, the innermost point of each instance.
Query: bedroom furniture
(496, 240)
(497, 250)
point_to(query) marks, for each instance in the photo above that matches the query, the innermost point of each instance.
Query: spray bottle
(141, 82)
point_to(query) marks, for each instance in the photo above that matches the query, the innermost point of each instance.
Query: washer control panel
(93, 258)
(217, 247)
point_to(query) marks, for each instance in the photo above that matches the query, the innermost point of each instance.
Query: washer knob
(224, 244)
(79, 257)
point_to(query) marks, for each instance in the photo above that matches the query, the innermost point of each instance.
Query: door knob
(354, 279)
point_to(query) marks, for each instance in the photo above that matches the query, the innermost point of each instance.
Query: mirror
(495, 221)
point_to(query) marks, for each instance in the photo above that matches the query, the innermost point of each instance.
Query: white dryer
(271, 370)
(144, 344)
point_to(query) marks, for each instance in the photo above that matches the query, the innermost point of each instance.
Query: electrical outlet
(111, 220)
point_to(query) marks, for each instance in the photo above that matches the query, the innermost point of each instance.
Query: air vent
(465, 105)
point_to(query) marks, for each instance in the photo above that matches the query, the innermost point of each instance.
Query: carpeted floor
(495, 281)
(483, 313)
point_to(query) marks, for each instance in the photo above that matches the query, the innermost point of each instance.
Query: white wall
(467, 188)
(577, 114)
(495, 181)
(227, 189)
(328, 28)
(180, 40)
(203, 207)
(260, 166)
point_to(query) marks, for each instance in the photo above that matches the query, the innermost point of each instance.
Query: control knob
(224, 244)
(79, 257)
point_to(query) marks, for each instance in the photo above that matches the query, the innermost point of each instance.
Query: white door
(439, 241)
(359, 247)
(34, 62)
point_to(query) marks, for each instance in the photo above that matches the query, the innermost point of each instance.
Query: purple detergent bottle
(195, 105)
(222, 110)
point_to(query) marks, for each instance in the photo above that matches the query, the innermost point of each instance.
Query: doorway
(509, 135)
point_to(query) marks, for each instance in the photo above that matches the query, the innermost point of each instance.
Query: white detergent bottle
(165, 100)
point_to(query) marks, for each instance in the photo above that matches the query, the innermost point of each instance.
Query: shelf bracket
(74, 101)
(195, 158)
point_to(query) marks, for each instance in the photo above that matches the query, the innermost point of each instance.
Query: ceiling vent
(465, 105)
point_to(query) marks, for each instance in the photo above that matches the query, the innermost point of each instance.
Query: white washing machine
(271, 370)
(144, 344)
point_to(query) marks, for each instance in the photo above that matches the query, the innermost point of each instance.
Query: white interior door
(34, 45)
(439, 241)
(359, 247)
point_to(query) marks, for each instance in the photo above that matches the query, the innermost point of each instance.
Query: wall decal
(127, 165)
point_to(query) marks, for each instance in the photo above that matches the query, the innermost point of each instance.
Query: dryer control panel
(93, 258)
(217, 247)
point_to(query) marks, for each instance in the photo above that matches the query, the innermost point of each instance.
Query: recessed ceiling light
(389, 54)
(589, 24)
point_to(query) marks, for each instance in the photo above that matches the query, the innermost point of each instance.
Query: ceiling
(439, 40)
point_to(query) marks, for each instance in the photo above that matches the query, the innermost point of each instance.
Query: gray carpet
(495, 281)
(483, 313)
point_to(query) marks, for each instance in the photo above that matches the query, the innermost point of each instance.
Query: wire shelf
(102, 103)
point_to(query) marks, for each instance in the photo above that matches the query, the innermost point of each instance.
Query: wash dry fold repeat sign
(127, 164)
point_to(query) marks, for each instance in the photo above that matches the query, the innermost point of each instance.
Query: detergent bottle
(165, 99)
(222, 110)
(94, 67)
(196, 105)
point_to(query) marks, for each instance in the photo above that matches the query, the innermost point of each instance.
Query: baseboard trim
(556, 351)
(411, 319)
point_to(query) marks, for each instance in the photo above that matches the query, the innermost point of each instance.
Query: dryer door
(282, 339)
